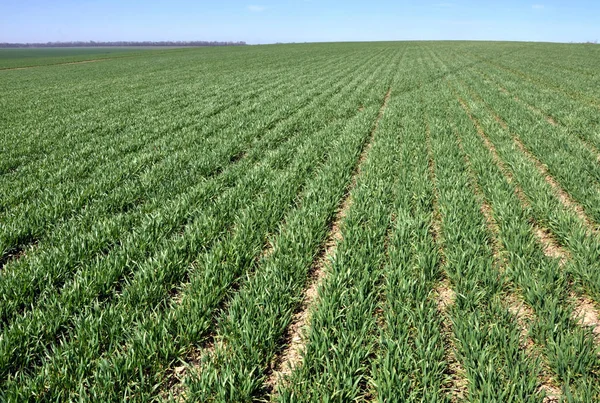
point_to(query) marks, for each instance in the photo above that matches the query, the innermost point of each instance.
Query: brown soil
(524, 316)
(563, 196)
(291, 356)
(267, 251)
(553, 393)
(17, 253)
(445, 297)
(532, 108)
(486, 210)
(522, 312)
(550, 119)
(175, 387)
(9, 257)
(551, 247)
(588, 315)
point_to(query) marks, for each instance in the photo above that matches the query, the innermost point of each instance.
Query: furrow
(274, 254)
(217, 162)
(336, 358)
(13, 255)
(492, 149)
(587, 314)
(551, 247)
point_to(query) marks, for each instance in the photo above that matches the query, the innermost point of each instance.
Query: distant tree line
(594, 42)
(118, 43)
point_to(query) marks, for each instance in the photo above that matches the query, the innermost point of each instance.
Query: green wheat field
(350, 222)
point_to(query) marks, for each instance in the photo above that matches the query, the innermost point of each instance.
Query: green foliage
(164, 209)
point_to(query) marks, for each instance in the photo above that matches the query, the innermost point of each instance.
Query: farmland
(410, 221)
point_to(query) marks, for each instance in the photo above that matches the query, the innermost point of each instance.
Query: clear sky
(268, 21)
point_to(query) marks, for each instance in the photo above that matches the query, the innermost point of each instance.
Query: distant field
(29, 57)
(411, 221)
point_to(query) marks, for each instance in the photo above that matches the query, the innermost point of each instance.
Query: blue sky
(268, 21)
